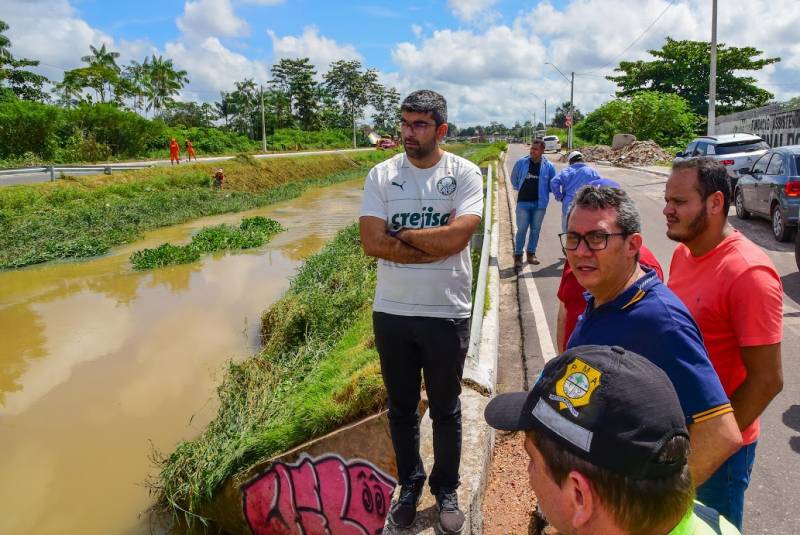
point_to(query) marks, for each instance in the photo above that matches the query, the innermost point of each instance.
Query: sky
(487, 57)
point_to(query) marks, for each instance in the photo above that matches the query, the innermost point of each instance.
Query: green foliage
(560, 116)
(663, 118)
(253, 232)
(478, 153)
(318, 371)
(14, 77)
(683, 68)
(27, 126)
(87, 216)
(293, 138)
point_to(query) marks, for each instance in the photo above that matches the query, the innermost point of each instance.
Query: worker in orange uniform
(174, 152)
(189, 150)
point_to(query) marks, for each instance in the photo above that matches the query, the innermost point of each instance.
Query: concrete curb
(477, 441)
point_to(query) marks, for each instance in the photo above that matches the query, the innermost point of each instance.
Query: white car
(734, 151)
(551, 143)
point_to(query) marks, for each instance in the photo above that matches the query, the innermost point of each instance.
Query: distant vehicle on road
(386, 143)
(771, 189)
(734, 151)
(551, 143)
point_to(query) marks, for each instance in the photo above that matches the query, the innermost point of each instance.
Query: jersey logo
(446, 185)
(575, 388)
(401, 186)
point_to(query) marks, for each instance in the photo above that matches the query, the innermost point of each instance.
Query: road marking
(542, 329)
(526, 278)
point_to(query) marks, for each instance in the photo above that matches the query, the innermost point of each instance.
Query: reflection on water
(99, 363)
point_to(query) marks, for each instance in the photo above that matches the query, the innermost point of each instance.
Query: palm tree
(104, 63)
(163, 82)
(137, 76)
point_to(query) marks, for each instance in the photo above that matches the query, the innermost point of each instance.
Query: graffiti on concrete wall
(777, 125)
(318, 496)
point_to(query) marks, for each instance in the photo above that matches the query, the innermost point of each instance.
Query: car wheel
(741, 213)
(779, 229)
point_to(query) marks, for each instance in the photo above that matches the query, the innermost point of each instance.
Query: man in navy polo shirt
(630, 307)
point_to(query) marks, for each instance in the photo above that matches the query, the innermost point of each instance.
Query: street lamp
(571, 96)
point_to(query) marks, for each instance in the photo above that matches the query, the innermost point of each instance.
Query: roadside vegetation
(85, 216)
(252, 232)
(317, 371)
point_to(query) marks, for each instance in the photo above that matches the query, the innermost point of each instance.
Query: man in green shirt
(608, 447)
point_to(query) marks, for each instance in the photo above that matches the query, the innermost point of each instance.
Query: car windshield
(550, 138)
(741, 146)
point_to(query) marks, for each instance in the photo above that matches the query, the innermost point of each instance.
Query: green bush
(205, 140)
(649, 115)
(293, 138)
(29, 127)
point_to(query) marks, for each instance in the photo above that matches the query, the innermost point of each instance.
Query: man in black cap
(608, 446)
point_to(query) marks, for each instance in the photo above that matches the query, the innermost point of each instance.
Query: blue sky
(486, 56)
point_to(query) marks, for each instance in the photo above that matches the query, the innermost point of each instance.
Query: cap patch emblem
(575, 388)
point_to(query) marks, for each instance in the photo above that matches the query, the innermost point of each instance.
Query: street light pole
(571, 99)
(712, 80)
(263, 124)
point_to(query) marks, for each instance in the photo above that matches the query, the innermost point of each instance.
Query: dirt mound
(638, 153)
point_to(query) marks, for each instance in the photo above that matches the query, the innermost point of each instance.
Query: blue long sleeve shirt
(567, 183)
(546, 173)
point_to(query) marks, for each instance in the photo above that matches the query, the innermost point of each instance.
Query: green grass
(253, 232)
(478, 153)
(86, 216)
(318, 371)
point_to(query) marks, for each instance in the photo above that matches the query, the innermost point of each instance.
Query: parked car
(734, 151)
(771, 189)
(552, 143)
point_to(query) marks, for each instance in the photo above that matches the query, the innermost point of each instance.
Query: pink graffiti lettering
(322, 496)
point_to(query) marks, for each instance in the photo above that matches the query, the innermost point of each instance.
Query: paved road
(773, 500)
(30, 178)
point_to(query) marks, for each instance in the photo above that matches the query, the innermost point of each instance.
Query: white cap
(574, 154)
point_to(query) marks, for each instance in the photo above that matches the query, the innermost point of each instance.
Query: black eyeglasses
(417, 127)
(595, 241)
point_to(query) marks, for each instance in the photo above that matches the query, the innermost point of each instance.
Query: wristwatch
(394, 229)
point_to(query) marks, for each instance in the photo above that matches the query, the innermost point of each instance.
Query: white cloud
(468, 10)
(417, 29)
(262, 2)
(205, 18)
(321, 50)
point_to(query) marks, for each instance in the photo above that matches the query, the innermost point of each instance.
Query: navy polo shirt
(650, 320)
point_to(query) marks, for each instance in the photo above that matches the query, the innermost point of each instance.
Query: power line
(613, 61)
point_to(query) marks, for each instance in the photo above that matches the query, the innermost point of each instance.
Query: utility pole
(712, 80)
(263, 123)
(545, 116)
(571, 108)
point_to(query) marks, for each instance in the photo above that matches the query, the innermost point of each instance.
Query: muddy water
(99, 363)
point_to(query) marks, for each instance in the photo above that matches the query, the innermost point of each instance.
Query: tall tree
(683, 67)
(163, 82)
(352, 87)
(103, 71)
(137, 78)
(14, 76)
(295, 78)
(387, 110)
(560, 116)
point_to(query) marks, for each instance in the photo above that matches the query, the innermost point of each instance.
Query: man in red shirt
(570, 292)
(732, 290)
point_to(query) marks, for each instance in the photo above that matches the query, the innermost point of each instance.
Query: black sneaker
(451, 519)
(404, 511)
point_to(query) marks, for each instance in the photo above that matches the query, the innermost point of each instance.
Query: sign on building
(777, 124)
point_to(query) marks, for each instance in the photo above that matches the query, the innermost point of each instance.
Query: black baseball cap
(608, 406)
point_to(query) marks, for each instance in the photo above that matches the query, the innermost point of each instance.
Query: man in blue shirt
(566, 183)
(531, 178)
(630, 307)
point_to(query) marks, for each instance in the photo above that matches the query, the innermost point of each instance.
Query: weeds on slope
(318, 370)
(252, 232)
(86, 216)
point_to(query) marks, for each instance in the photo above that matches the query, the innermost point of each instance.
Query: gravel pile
(638, 153)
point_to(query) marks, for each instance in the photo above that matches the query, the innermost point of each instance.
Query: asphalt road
(31, 178)
(773, 499)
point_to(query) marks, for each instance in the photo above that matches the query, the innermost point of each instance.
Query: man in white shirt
(419, 212)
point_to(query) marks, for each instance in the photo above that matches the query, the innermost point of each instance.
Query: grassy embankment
(85, 216)
(317, 371)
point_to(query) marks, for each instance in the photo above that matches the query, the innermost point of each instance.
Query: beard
(422, 150)
(697, 226)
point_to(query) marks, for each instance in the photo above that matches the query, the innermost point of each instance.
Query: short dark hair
(539, 141)
(603, 197)
(427, 101)
(636, 505)
(711, 178)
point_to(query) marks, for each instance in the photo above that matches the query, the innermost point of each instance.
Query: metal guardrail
(483, 270)
(53, 169)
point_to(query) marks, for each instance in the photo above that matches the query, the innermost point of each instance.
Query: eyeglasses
(595, 241)
(418, 127)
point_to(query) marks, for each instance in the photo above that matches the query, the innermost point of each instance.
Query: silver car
(734, 151)
(552, 143)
